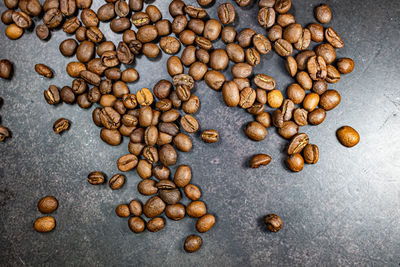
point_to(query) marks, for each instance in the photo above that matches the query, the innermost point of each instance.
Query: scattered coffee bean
(273, 222)
(61, 125)
(44, 224)
(117, 181)
(259, 160)
(295, 162)
(193, 242)
(311, 154)
(96, 178)
(47, 204)
(210, 136)
(348, 136)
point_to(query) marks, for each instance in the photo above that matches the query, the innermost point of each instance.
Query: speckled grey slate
(343, 211)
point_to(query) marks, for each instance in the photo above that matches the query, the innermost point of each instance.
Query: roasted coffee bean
(167, 155)
(192, 192)
(333, 75)
(311, 154)
(247, 97)
(68, 7)
(154, 207)
(196, 209)
(197, 70)
(162, 89)
(264, 118)
(42, 32)
(67, 95)
(303, 78)
(230, 94)
(136, 5)
(6, 69)
(21, 19)
(323, 13)
(183, 175)
(74, 69)
(259, 160)
(241, 70)
(122, 211)
(295, 162)
(89, 18)
(80, 34)
(174, 66)
(187, 37)
(145, 116)
(144, 97)
(285, 20)
(111, 137)
(135, 207)
(94, 34)
(106, 12)
(333, 38)
(154, 13)
(327, 52)
(107, 100)
(287, 109)
(113, 74)
(165, 184)
(189, 124)
(275, 33)
(44, 224)
(297, 143)
(137, 135)
(302, 59)
(235, 52)
(316, 67)
(83, 101)
(79, 86)
(179, 24)
(147, 187)
(82, 4)
(304, 41)
(47, 204)
(256, 108)
(205, 223)
(266, 3)
(6, 16)
(96, 66)
(226, 13)
(4, 133)
(329, 100)
(264, 81)
(183, 92)
(256, 131)
(316, 31)
(164, 104)
(169, 128)
(14, 32)
(128, 36)
(242, 83)
(274, 98)
(71, 25)
(129, 120)
(52, 95)
(300, 116)
(214, 79)
(176, 8)
(345, 65)
(262, 44)
(61, 125)
(127, 162)
(283, 6)
(161, 172)
(170, 45)
(252, 56)
(293, 33)
(135, 148)
(320, 87)
(311, 101)
(96, 178)
(85, 51)
(273, 222)
(183, 80)
(124, 54)
(117, 181)
(193, 242)
(203, 43)
(68, 47)
(283, 47)
(204, 2)
(163, 27)
(195, 12)
(155, 224)
(261, 96)
(175, 211)
(121, 8)
(147, 33)
(140, 19)
(182, 142)
(43, 70)
(266, 17)
(317, 116)
(188, 56)
(110, 118)
(11, 4)
(288, 129)
(123, 24)
(219, 59)
(245, 37)
(151, 135)
(291, 66)
(243, 3)
(52, 18)
(228, 34)
(136, 224)
(348, 136)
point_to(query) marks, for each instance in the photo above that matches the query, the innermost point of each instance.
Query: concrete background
(343, 211)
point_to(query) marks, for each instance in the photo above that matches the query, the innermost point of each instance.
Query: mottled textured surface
(343, 211)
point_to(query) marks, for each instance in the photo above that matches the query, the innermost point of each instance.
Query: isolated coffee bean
(311, 154)
(156, 224)
(193, 242)
(47, 204)
(44, 224)
(96, 178)
(295, 162)
(345, 65)
(348, 136)
(44, 70)
(273, 222)
(256, 131)
(61, 125)
(259, 160)
(323, 13)
(205, 223)
(117, 181)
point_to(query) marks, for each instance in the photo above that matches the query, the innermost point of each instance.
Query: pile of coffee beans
(46, 205)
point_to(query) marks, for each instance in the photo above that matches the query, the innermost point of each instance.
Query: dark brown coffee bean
(264, 118)
(135, 207)
(187, 37)
(323, 13)
(327, 52)
(235, 52)
(47, 204)
(43, 70)
(124, 54)
(117, 181)
(205, 223)
(147, 187)
(262, 44)
(244, 37)
(256, 131)
(203, 43)
(303, 78)
(94, 34)
(68, 47)
(291, 66)
(71, 25)
(300, 116)
(297, 143)
(247, 97)
(203, 56)
(174, 66)
(176, 8)
(154, 207)
(6, 69)
(123, 24)
(295, 162)
(44, 224)
(320, 87)
(189, 124)
(230, 94)
(83, 101)
(170, 45)
(136, 5)
(21, 19)
(302, 59)
(197, 70)
(275, 33)
(182, 142)
(287, 109)
(317, 116)
(52, 95)
(179, 24)
(316, 67)
(228, 34)
(293, 33)
(188, 55)
(140, 19)
(214, 79)
(161, 172)
(167, 155)
(82, 4)
(345, 65)
(285, 20)
(67, 95)
(226, 13)
(329, 100)
(333, 75)
(127, 162)
(241, 70)
(193, 242)
(304, 41)
(154, 13)
(264, 81)
(283, 6)
(136, 224)
(311, 154)
(68, 7)
(42, 32)
(288, 129)
(259, 160)
(52, 18)
(219, 59)
(111, 137)
(196, 209)
(163, 27)
(96, 178)
(106, 12)
(252, 56)
(316, 31)
(6, 17)
(90, 77)
(283, 48)
(155, 224)
(266, 17)
(273, 222)
(175, 212)
(121, 8)
(61, 125)
(122, 211)
(168, 128)
(195, 12)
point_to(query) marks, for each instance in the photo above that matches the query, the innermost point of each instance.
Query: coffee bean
(111, 137)
(345, 65)
(348, 136)
(52, 95)
(4, 133)
(154, 207)
(317, 116)
(135, 207)
(61, 125)
(264, 118)
(304, 80)
(183, 175)
(327, 52)
(261, 96)
(226, 13)
(304, 41)
(297, 143)
(275, 98)
(210, 136)
(6, 17)
(283, 6)
(273, 222)
(179, 24)
(333, 38)
(123, 24)
(193, 242)
(245, 36)
(68, 47)
(252, 56)
(107, 100)
(205, 223)
(47, 204)
(319, 87)
(285, 19)
(316, 67)
(21, 19)
(83, 101)
(136, 224)
(235, 52)
(241, 70)
(122, 211)
(243, 3)
(189, 124)
(259, 160)
(283, 48)
(291, 66)
(163, 27)
(204, 2)
(71, 25)
(277, 118)
(175, 212)
(136, 5)
(287, 109)
(196, 209)
(293, 33)
(329, 100)
(192, 192)
(156, 224)
(67, 95)
(167, 155)
(295, 162)
(121, 8)
(168, 128)
(300, 116)
(144, 169)
(89, 18)
(44, 224)
(247, 97)
(316, 31)
(266, 3)
(43, 70)
(195, 12)
(117, 181)
(147, 187)
(311, 154)
(228, 34)
(6, 69)
(144, 97)
(182, 142)
(214, 79)
(275, 33)
(96, 178)
(82, 4)
(333, 75)
(295, 93)
(266, 17)
(170, 45)
(256, 131)
(302, 59)
(140, 19)
(110, 118)
(52, 18)
(288, 129)
(127, 162)
(323, 13)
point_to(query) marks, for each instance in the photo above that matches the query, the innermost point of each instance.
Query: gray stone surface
(343, 211)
